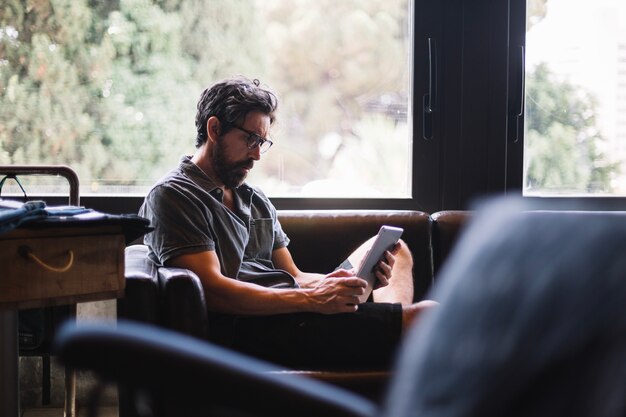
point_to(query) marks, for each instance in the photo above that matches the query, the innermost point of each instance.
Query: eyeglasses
(255, 140)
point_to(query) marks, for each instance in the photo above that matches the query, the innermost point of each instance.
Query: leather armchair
(531, 323)
(153, 295)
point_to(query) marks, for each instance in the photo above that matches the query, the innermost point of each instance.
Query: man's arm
(281, 258)
(338, 293)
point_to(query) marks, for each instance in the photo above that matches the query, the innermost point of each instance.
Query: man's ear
(213, 128)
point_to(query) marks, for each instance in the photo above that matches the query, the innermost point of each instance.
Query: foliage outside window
(575, 98)
(109, 88)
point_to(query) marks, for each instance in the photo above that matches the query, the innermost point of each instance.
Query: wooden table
(52, 266)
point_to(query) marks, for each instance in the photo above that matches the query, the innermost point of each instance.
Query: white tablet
(385, 240)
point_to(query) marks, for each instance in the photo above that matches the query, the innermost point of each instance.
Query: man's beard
(230, 173)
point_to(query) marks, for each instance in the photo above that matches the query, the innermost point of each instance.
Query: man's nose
(255, 153)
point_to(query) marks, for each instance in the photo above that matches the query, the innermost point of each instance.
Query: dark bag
(31, 328)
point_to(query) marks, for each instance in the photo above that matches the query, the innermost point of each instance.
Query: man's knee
(413, 312)
(404, 252)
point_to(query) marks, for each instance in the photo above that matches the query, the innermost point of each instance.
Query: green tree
(137, 114)
(562, 140)
(350, 67)
(110, 87)
(225, 40)
(166, 53)
(47, 66)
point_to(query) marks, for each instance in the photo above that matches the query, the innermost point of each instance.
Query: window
(575, 87)
(109, 88)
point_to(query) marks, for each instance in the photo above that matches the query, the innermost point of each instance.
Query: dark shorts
(366, 339)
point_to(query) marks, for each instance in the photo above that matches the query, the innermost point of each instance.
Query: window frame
(475, 152)
(131, 203)
(443, 177)
(515, 159)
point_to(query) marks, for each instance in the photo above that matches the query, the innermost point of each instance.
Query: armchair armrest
(182, 302)
(171, 297)
(187, 376)
(142, 287)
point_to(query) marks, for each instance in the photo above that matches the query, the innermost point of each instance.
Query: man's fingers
(390, 258)
(395, 249)
(383, 280)
(353, 282)
(341, 272)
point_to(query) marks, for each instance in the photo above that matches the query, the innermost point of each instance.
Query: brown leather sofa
(320, 240)
(446, 227)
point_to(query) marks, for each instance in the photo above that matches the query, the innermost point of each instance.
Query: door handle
(429, 103)
(518, 113)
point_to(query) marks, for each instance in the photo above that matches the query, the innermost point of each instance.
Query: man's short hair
(231, 100)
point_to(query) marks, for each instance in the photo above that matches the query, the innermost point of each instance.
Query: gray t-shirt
(186, 210)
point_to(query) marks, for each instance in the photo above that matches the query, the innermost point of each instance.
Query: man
(209, 221)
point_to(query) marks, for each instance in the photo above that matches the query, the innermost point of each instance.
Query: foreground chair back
(531, 323)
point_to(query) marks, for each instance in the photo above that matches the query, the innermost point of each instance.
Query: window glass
(110, 88)
(575, 140)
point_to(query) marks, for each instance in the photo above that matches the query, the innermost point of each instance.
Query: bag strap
(13, 177)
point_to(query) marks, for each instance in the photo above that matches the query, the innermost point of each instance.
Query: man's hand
(338, 292)
(384, 268)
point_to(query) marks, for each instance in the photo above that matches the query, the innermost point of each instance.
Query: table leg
(9, 365)
(70, 379)
(70, 392)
